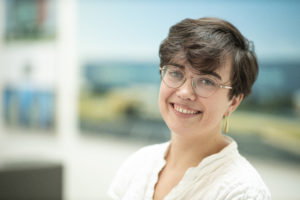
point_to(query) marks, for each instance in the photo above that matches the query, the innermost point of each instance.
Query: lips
(185, 110)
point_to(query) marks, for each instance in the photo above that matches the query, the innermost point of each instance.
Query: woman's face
(186, 113)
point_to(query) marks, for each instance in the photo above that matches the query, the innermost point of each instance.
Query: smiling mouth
(185, 110)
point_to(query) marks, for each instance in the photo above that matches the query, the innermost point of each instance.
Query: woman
(207, 69)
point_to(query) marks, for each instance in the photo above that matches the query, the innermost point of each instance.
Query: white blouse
(222, 176)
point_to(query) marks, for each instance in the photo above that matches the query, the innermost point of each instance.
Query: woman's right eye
(175, 74)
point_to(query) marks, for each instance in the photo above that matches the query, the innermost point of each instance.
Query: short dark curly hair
(206, 42)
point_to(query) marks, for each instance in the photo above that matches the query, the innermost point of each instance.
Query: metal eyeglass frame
(218, 84)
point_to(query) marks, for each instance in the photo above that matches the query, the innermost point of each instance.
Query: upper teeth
(185, 111)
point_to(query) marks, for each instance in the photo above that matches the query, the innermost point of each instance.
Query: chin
(182, 129)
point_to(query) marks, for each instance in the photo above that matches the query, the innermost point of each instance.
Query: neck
(186, 152)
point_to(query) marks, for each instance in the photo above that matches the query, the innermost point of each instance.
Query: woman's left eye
(207, 82)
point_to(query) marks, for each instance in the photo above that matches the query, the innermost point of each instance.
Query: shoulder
(140, 160)
(244, 182)
(246, 191)
(144, 155)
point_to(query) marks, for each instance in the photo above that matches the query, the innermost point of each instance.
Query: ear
(234, 103)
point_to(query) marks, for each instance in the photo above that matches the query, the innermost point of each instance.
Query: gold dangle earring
(226, 124)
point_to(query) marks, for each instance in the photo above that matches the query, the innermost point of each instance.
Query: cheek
(216, 108)
(164, 94)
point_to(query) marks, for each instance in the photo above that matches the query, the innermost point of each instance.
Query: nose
(186, 91)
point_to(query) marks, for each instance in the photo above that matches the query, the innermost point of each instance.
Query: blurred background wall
(79, 84)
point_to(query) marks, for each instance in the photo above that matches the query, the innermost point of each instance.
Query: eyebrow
(177, 65)
(203, 72)
(215, 74)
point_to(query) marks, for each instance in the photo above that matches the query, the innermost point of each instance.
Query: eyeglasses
(204, 85)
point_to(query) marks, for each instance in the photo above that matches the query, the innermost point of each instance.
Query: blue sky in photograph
(133, 30)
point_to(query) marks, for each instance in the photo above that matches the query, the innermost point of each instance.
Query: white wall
(55, 66)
